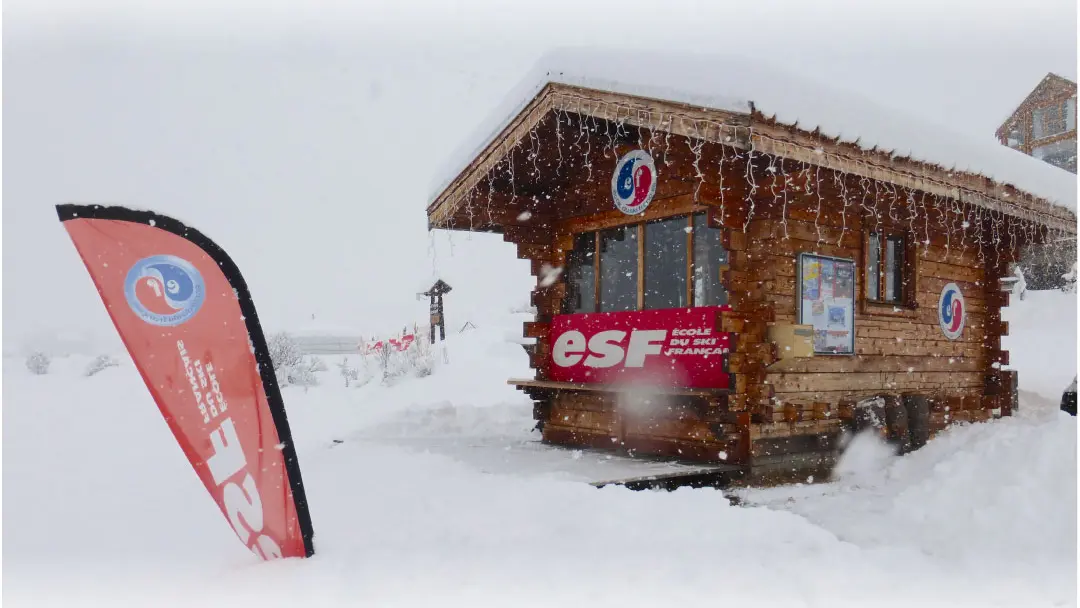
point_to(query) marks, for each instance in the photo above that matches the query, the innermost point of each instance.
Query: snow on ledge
(732, 83)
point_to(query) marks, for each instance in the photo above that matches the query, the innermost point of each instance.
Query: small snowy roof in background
(734, 83)
(427, 284)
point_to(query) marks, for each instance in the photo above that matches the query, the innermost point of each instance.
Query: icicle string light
(695, 146)
(820, 200)
(998, 222)
(841, 178)
(559, 139)
(534, 152)
(720, 179)
(776, 175)
(752, 180)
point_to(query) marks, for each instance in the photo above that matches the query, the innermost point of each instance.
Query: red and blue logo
(951, 311)
(634, 183)
(164, 290)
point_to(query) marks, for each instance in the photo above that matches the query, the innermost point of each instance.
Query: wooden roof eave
(747, 131)
(728, 128)
(789, 141)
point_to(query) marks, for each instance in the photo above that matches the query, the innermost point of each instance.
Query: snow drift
(436, 489)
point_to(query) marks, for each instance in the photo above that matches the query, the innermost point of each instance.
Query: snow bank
(438, 489)
(732, 83)
(977, 493)
(1042, 341)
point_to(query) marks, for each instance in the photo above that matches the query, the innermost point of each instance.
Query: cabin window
(709, 261)
(889, 272)
(1061, 153)
(666, 244)
(669, 263)
(581, 275)
(1053, 120)
(619, 269)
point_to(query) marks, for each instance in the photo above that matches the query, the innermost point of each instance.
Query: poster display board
(826, 298)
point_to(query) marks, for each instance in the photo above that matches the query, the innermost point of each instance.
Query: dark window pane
(618, 269)
(894, 262)
(709, 257)
(581, 275)
(873, 267)
(665, 263)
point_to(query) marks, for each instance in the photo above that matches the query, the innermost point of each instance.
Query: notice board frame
(800, 260)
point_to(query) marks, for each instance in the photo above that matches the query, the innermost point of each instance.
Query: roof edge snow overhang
(754, 132)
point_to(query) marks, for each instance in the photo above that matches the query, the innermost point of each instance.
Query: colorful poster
(827, 302)
(186, 317)
(673, 347)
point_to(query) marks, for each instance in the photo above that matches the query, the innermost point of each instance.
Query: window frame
(1047, 112)
(907, 271)
(639, 226)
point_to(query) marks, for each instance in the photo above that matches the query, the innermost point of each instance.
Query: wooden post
(435, 309)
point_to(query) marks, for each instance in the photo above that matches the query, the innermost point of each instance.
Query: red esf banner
(189, 323)
(673, 347)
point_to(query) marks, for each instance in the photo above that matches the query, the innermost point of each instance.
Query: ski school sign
(952, 311)
(187, 319)
(675, 347)
(633, 183)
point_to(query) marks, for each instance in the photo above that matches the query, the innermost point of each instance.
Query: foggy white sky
(302, 136)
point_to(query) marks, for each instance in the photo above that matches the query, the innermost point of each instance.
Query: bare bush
(285, 352)
(349, 373)
(100, 363)
(38, 363)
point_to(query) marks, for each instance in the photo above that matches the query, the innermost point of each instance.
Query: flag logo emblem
(164, 290)
(633, 184)
(951, 311)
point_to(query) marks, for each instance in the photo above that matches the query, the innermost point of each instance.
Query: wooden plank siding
(898, 348)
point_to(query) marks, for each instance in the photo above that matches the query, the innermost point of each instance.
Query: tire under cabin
(715, 285)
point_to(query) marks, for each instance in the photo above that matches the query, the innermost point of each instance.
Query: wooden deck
(607, 388)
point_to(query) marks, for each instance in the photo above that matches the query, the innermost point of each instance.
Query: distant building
(1044, 124)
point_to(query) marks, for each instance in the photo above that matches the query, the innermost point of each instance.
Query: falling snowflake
(524, 216)
(549, 274)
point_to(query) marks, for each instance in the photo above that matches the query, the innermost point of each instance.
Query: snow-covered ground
(439, 494)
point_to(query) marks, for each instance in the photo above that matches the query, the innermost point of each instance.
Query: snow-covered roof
(732, 84)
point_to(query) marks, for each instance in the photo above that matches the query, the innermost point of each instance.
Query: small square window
(890, 277)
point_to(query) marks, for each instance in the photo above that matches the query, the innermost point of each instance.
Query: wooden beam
(607, 388)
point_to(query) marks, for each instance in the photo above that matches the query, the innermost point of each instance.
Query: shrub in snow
(284, 351)
(349, 373)
(318, 365)
(416, 361)
(100, 363)
(304, 372)
(421, 357)
(38, 363)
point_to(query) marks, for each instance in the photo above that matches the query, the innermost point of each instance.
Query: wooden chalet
(716, 284)
(1044, 124)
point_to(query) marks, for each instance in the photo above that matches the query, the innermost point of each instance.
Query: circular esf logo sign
(634, 182)
(951, 311)
(164, 290)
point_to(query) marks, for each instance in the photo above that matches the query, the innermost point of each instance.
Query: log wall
(782, 410)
